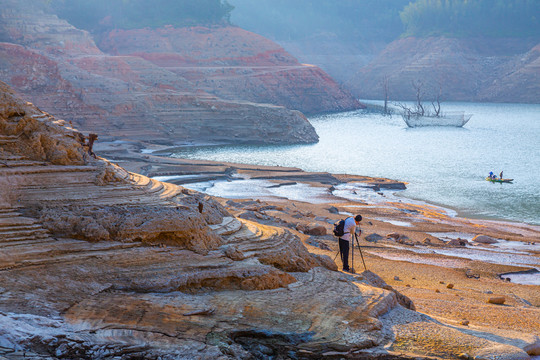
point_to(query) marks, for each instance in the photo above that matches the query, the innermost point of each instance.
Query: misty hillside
(102, 15)
(301, 19)
(458, 18)
(482, 50)
(386, 20)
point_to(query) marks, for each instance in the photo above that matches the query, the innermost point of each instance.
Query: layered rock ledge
(92, 252)
(100, 262)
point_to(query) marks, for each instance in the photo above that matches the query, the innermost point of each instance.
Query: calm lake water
(444, 166)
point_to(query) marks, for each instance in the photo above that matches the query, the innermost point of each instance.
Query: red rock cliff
(235, 64)
(167, 85)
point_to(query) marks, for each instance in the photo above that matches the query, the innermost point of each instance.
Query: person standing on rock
(346, 239)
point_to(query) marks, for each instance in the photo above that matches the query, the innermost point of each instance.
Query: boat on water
(498, 180)
(449, 119)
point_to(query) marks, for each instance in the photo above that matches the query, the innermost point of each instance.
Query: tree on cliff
(102, 15)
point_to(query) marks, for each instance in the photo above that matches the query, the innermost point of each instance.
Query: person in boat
(491, 175)
(500, 175)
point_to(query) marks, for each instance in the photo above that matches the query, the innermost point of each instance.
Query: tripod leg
(360, 249)
(352, 256)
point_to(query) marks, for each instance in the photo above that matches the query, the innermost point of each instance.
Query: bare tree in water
(418, 109)
(437, 103)
(384, 83)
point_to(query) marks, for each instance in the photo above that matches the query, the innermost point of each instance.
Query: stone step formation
(98, 262)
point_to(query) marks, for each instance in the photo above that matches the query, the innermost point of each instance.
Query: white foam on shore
(525, 279)
(514, 247)
(200, 186)
(395, 222)
(518, 245)
(246, 188)
(417, 258)
(452, 258)
(494, 256)
(360, 192)
(176, 177)
(455, 257)
(452, 235)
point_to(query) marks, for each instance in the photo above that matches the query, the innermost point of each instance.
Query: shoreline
(463, 214)
(134, 158)
(416, 248)
(165, 151)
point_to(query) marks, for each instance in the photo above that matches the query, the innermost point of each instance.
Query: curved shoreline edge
(137, 154)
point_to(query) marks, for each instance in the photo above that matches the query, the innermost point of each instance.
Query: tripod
(352, 254)
(359, 249)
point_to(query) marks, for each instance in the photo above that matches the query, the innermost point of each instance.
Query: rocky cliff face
(466, 70)
(98, 262)
(519, 82)
(169, 85)
(118, 264)
(234, 64)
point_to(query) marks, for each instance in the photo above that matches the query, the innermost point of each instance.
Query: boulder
(499, 300)
(333, 210)
(233, 253)
(533, 348)
(315, 242)
(312, 229)
(373, 237)
(484, 239)
(404, 240)
(457, 242)
(471, 275)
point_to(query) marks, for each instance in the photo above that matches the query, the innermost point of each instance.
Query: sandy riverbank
(409, 245)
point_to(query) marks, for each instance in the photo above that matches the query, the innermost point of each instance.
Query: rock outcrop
(97, 245)
(234, 64)
(98, 262)
(162, 85)
(499, 70)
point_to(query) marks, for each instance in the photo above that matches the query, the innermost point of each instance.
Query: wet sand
(453, 284)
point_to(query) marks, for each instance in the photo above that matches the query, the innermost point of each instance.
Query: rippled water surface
(445, 166)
